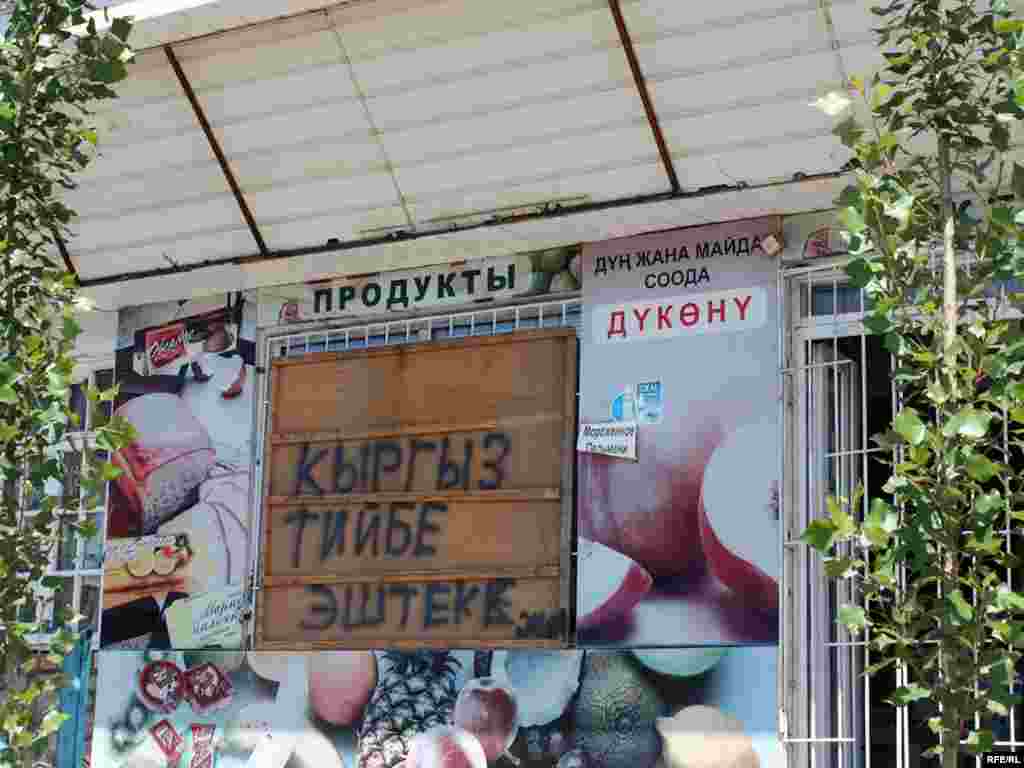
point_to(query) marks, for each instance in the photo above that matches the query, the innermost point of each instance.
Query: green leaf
(909, 694)
(980, 741)
(852, 220)
(90, 136)
(819, 535)
(121, 28)
(7, 395)
(1007, 26)
(968, 422)
(110, 472)
(962, 610)
(852, 617)
(1008, 600)
(909, 426)
(1017, 180)
(980, 468)
(841, 519)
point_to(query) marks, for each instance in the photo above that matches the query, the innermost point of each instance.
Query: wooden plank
(527, 456)
(568, 531)
(405, 386)
(484, 497)
(382, 538)
(433, 574)
(425, 613)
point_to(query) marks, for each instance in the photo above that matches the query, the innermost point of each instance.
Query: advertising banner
(680, 546)
(447, 285)
(178, 521)
(679, 708)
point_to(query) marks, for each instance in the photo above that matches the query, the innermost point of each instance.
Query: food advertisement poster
(675, 708)
(538, 273)
(681, 337)
(178, 521)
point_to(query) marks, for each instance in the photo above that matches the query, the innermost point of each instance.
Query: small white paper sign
(610, 438)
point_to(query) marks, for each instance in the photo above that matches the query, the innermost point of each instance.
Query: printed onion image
(737, 498)
(614, 585)
(649, 510)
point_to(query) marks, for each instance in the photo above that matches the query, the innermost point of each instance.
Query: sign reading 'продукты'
(420, 507)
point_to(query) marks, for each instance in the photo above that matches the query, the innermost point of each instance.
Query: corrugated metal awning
(384, 119)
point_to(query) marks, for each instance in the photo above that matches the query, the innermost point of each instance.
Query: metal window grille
(77, 561)
(839, 392)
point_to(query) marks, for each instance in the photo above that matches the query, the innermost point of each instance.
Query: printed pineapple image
(415, 691)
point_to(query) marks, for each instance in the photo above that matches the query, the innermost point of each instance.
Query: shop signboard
(680, 547)
(443, 708)
(178, 521)
(538, 273)
(420, 495)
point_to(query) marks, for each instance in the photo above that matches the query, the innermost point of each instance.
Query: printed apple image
(612, 584)
(739, 514)
(650, 510)
(445, 747)
(489, 711)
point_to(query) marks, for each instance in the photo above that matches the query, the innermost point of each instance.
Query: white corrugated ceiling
(364, 118)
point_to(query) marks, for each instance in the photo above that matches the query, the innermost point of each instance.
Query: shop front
(518, 510)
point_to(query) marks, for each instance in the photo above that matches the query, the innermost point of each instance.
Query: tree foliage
(55, 64)
(935, 225)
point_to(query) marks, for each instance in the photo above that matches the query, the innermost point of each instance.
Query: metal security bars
(341, 337)
(839, 392)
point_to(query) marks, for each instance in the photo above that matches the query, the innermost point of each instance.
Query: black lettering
(415, 447)
(333, 536)
(496, 603)
(328, 609)
(368, 529)
(321, 296)
(376, 292)
(471, 275)
(424, 526)
(344, 469)
(394, 521)
(407, 592)
(364, 465)
(465, 594)
(449, 474)
(303, 474)
(345, 294)
(365, 619)
(380, 450)
(430, 608)
(496, 466)
(422, 285)
(299, 518)
(444, 286)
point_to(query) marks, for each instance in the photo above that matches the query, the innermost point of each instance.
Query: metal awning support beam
(645, 95)
(215, 147)
(338, 246)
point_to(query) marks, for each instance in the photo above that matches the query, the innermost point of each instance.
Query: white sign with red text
(687, 315)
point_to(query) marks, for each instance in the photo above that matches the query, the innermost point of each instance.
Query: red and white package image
(165, 346)
(170, 456)
(207, 688)
(161, 686)
(203, 752)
